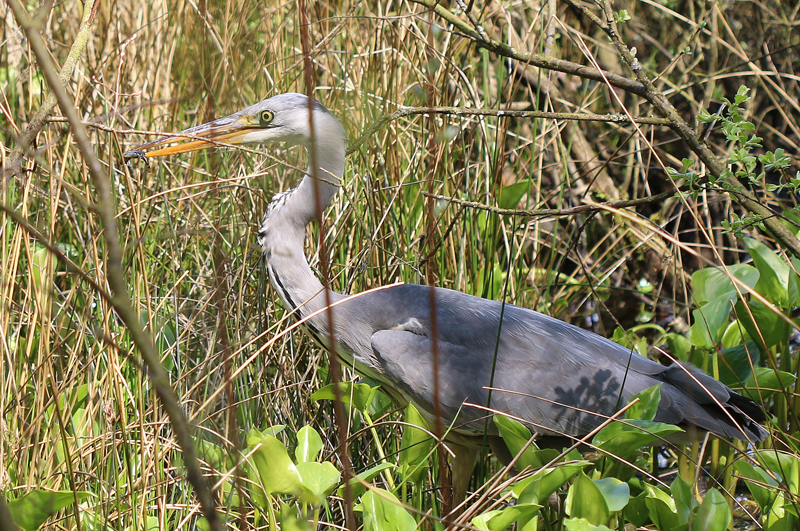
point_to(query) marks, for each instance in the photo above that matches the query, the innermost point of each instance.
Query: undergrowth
(697, 273)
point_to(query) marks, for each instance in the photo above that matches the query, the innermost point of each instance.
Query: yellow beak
(223, 132)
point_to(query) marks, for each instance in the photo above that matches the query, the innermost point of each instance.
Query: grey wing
(559, 378)
(592, 374)
(406, 363)
(552, 396)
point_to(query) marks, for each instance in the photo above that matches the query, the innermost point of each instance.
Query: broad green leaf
(765, 382)
(763, 323)
(663, 511)
(416, 444)
(735, 366)
(684, 501)
(779, 519)
(764, 497)
(713, 513)
(510, 195)
(503, 518)
(582, 524)
(784, 465)
(538, 488)
(275, 469)
(383, 512)
(615, 492)
(734, 335)
(636, 511)
(647, 406)
(712, 282)
(32, 509)
(359, 395)
(584, 500)
(516, 437)
(622, 439)
(710, 320)
(773, 282)
(214, 455)
(356, 487)
(318, 478)
(290, 520)
(679, 346)
(309, 445)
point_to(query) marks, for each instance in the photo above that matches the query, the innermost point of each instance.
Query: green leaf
(416, 444)
(383, 512)
(503, 518)
(774, 280)
(318, 478)
(276, 471)
(516, 437)
(538, 488)
(647, 406)
(684, 501)
(359, 395)
(765, 382)
(679, 346)
(290, 521)
(710, 320)
(736, 365)
(662, 509)
(713, 282)
(783, 465)
(616, 493)
(764, 497)
(32, 509)
(582, 524)
(510, 195)
(764, 323)
(636, 511)
(714, 513)
(309, 445)
(584, 500)
(214, 455)
(356, 486)
(779, 519)
(622, 439)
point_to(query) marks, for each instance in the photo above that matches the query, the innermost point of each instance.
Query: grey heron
(558, 378)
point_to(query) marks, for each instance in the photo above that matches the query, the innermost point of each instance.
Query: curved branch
(120, 300)
(25, 140)
(465, 111)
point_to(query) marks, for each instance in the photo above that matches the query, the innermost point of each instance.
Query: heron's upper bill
(219, 133)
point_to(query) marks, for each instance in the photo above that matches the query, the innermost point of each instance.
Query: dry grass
(78, 411)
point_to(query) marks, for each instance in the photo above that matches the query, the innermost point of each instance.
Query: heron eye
(266, 117)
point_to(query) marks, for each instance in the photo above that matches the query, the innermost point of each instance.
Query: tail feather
(693, 398)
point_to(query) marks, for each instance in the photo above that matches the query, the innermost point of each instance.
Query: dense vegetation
(677, 237)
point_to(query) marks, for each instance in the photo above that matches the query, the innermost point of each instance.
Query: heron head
(281, 118)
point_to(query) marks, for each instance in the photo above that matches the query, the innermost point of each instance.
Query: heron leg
(461, 466)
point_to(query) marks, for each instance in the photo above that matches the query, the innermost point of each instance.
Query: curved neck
(282, 235)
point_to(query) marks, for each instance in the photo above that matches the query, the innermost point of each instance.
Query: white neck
(282, 234)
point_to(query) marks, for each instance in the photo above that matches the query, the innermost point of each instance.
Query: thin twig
(25, 140)
(535, 59)
(715, 165)
(555, 212)
(466, 111)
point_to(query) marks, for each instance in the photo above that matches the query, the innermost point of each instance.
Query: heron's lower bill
(219, 133)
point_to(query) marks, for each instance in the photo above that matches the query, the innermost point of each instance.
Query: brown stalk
(116, 275)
